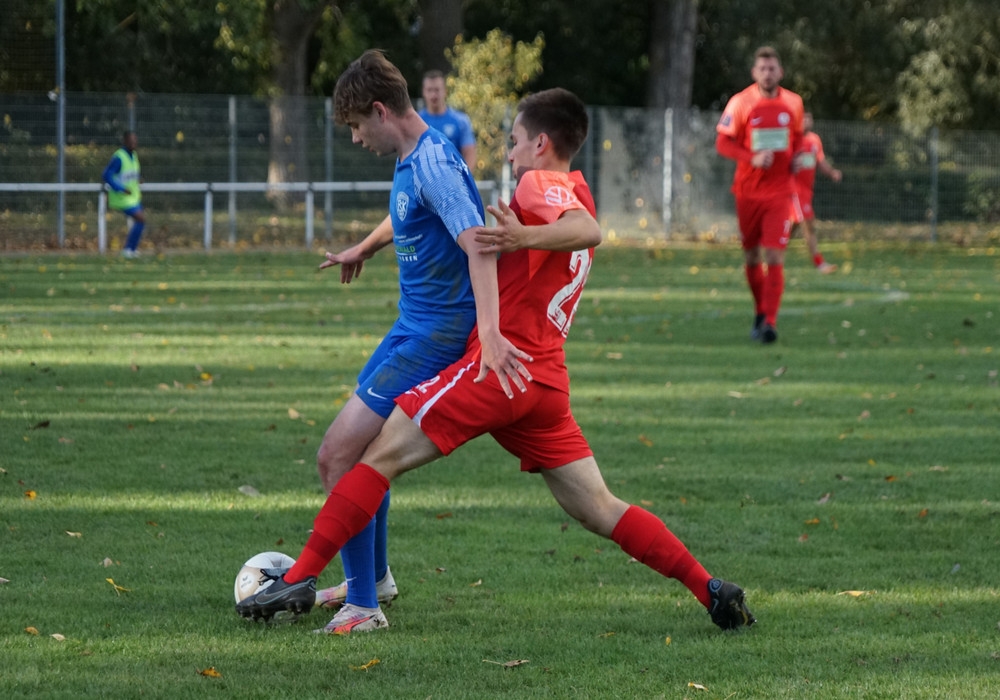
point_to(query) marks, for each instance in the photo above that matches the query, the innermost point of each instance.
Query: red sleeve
(545, 195)
(728, 147)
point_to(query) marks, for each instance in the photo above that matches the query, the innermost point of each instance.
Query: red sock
(817, 260)
(755, 278)
(774, 287)
(644, 536)
(348, 508)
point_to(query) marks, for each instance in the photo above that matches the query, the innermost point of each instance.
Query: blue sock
(134, 234)
(381, 535)
(359, 567)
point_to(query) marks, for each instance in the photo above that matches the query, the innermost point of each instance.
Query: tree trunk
(292, 26)
(671, 73)
(671, 52)
(441, 22)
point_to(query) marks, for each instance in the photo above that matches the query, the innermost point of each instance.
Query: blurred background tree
(488, 77)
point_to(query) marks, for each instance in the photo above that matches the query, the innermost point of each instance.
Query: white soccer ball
(250, 580)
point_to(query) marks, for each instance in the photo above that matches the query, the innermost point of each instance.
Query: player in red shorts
(808, 159)
(760, 129)
(541, 274)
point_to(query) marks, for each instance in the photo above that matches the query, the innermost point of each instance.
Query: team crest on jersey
(559, 196)
(402, 204)
(784, 118)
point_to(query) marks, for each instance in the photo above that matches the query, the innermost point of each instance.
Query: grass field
(159, 420)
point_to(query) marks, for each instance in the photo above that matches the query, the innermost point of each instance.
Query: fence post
(934, 182)
(208, 216)
(668, 170)
(328, 196)
(232, 169)
(310, 200)
(102, 220)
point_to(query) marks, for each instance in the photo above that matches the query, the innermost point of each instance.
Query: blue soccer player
(122, 177)
(451, 122)
(446, 288)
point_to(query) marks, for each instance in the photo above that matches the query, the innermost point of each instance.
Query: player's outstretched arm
(352, 259)
(576, 229)
(498, 354)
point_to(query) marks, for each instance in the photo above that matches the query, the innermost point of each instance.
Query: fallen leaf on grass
(922, 514)
(107, 562)
(58, 637)
(890, 478)
(43, 424)
(65, 441)
(209, 672)
(668, 640)
(803, 537)
(293, 414)
(74, 534)
(508, 664)
(780, 371)
(856, 594)
(645, 441)
(812, 521)
(248, 490)
(697, 686)
(118, 589)
(938, 468)
(31, 495)
(735, 394)
(4, 580)
(31, 630)
(442, 516)
(476, 583)
(606, 635)
(365, 667)
(825, 498)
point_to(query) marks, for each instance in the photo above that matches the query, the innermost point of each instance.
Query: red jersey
(540, 289)
(760, 123)
(807, 157)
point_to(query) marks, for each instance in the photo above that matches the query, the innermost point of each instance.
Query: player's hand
(501, 356)
(762, 159)
(507, 236)
(351, 261)
(836, 176)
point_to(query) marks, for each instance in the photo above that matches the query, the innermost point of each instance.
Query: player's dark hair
(766, 52)
(369, 79)
(433, 74)
(559, 114)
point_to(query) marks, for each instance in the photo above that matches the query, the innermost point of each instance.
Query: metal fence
(655, 174)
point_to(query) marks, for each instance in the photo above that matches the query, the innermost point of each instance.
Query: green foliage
(489, 77)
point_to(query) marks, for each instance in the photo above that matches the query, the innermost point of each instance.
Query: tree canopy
(919, 62)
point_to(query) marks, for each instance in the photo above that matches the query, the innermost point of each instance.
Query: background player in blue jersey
(449, 121)
(446, 289)
(122, 176)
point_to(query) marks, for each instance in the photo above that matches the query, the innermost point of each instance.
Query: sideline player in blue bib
(446, 289)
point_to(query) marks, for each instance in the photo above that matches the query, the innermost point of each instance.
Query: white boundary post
(208, 217)
(310, 200)
(102, 221)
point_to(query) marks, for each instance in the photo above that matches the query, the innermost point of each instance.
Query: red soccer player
(808, 159)
(541, 272)
(761, 129)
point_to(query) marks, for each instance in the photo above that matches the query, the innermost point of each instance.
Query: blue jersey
(434, 198)
(454, 124)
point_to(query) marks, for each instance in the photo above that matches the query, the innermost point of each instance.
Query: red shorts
(764, 222)
(537, 426)
(802, 209)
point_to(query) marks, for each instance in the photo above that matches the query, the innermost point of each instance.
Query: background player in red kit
(808, 159)
(539, 293)
(761, 129)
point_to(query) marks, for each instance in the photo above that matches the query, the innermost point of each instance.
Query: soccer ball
(250, 580)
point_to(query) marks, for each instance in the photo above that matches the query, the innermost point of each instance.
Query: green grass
(857, 454)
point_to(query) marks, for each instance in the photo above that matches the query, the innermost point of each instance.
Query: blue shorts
(131, 210)
(400, 362)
